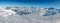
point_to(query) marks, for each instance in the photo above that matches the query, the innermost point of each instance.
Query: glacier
(29, 15)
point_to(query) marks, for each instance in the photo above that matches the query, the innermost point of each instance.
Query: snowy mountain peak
(32, 10)
(26, 11)
(4, 12)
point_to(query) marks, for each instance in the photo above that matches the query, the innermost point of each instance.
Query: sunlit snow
(4, 12)
(29, 15)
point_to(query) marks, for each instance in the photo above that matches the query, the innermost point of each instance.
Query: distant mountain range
(32, 10)
(29, 15)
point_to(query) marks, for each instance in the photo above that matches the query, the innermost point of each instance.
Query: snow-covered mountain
(44, 11)
(29, 15)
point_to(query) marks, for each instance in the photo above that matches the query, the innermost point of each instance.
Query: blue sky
(30, 3)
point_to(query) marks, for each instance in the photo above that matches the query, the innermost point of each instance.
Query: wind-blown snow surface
(29, 15)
